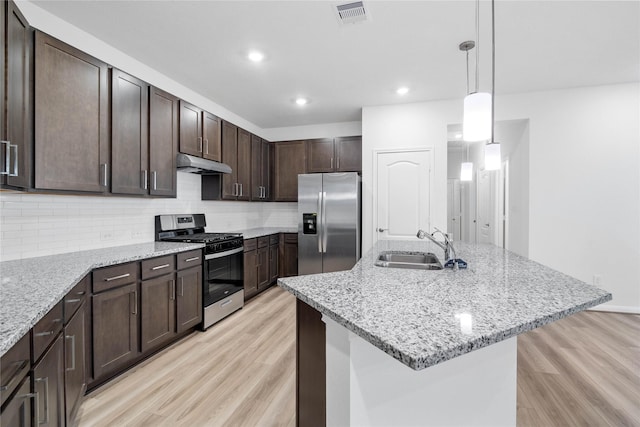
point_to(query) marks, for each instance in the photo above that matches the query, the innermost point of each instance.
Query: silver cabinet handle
(135, 302)
(338, 163)
(15, 159)
(45, 380)
(44, 334)
(200, 144)
(226, 302)
(331, 163)
(382, 230)
(206, 146)
(7, 158)
(20, 364)
(172, 290)
(195, 258)
(160, 267)
(105, 171)
(240, 190)
(73, 300)
(122, 276)
(154, 179)
(182, 286)
(145, 184)
(73, 351)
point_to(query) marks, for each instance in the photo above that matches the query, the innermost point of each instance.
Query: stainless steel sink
(413, 260)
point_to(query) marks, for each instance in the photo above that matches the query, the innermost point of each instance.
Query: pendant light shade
(476, 124)
(466, 171)
(492, 157)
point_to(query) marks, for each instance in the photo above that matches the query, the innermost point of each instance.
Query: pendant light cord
(467, 52)
(493, 70)
(477, 43)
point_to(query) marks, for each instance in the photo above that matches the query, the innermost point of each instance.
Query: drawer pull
(122, 276)
(73, 351)
(73, 300)
(226, 303)
(46, 400)
(44, 334)
(80, 293)
(195, 258)
(20, 364)
(160, 267)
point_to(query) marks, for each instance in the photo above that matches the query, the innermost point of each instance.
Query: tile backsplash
(42, 224)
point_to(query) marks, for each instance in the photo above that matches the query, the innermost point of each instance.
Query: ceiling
(203, 45)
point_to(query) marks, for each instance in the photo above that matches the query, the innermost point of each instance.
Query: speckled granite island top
(30, 287)
(422, 318)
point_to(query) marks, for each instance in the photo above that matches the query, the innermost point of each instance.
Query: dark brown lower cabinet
(288, 255)
(158, 311)
(262, 256)
(75, 383)
(115, 329)
(48, 383)
(188, 298)
(17, 410)
(273, 262)
(250, 274)
(311, 366)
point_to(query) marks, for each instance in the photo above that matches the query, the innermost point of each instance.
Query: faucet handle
(421, 234)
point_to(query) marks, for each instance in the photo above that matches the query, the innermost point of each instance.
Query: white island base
(367, 387)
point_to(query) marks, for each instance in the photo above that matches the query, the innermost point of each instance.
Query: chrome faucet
(447, 246)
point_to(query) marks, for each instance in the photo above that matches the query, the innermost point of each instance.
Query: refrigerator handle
(324, 222)
(319, 225)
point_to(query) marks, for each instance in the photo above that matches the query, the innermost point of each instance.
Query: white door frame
(374, 221)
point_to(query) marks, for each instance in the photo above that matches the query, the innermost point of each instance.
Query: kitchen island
(450, 336)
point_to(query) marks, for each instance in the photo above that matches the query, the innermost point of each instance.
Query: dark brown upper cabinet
(16, 119)
(342, 154)
(71, 118)
(199, 132)
(289, 161)
(163, 142)
(129, 137)
(260, 170)
(236, 152)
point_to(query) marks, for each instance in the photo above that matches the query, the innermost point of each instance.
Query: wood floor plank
(580, 371)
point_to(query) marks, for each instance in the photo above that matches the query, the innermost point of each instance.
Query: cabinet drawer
(250, 245)
(290, 238)
(157, 266)
(274, 239)
(14, 366)
(74, 298)
(46, 330)
(263, 241)
(112, 277)
(189, 259)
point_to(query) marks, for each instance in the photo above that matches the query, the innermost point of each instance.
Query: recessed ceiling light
(302, 101)
(402, 90)
(255, 56)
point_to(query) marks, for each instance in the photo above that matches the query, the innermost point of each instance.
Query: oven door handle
(223, 254)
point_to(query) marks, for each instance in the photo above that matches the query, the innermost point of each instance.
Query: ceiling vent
(351, 13)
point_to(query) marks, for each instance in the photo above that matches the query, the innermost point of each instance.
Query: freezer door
(309, 220)
(340, 221)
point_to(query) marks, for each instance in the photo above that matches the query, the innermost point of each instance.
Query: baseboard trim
(616, 308)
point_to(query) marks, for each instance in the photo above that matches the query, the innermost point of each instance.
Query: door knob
(486, 225)
(382, 230)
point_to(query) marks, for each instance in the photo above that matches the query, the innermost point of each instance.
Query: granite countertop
(30, 287)
(265, 231)
(423, 318)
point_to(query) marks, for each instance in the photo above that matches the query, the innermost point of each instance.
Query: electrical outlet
(107, 235)
(138, 234)
(597, 279)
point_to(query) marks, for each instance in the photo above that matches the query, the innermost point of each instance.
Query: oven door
(223, 275)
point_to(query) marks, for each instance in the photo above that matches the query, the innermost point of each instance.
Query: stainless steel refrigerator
(329, 213)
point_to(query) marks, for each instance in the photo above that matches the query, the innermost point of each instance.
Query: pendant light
(476, 123)
(492, 154)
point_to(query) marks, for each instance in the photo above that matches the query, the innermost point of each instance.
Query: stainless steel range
(223, 269)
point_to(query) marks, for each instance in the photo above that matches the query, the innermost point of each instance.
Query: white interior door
(454, 220)
(403, 186)
(486, 207)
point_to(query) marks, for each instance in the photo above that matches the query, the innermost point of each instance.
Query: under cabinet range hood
(193, 164)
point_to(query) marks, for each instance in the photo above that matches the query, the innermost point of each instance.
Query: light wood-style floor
(583, 370)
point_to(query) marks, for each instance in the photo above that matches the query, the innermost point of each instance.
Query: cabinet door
(230, 189)
(256, 168)
(320, 155)
(263, 267)
(48, 382)
(211, 134)
(115, 329)
(157, 311)
(266, 170)
(288, 255)
(289, 161)
(250, 274)
(74, 362)
(190, 129)
(129, 138)
(273, 263)
(17, 411)
(349, 154)
(189, 298)
(163, 142)
(71, 118)
(17, 128)
(244, 164)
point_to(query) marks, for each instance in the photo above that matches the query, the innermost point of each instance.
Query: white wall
(584, 175)
(326, 130)
(36, 224)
